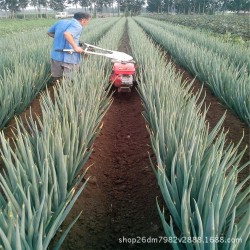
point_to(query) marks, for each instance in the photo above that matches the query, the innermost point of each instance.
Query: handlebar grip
(70, 51)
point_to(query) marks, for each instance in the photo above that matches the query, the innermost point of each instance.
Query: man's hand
(78, 49)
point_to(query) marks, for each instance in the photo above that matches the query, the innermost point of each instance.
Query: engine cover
(124, 68)
(122, 75)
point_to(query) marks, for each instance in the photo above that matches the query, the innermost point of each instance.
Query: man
(66, 34)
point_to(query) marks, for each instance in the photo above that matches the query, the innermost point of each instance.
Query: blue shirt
(74, 28)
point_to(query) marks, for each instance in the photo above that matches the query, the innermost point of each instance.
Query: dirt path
(120, 200)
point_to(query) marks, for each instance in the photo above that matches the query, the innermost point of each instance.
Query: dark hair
(81, 15)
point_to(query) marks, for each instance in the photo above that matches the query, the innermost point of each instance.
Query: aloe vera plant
(236, 25)
(44, 168)
(196, 172)
(237, 54)
(229, 84)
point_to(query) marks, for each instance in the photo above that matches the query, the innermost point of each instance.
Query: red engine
(122, 76)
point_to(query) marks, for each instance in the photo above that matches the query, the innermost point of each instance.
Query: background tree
(13, 6)
(45, 4)
(57, 5)
(131, 6)
(101, 4)
(155, 6)
(136, 6)
(168, 6)
(238, 5)
(74, 2)
(85, 4)
(40, 4)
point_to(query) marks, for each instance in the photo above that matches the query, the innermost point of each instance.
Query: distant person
(66, 34)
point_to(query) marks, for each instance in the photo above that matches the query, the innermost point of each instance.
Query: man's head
(82, 17)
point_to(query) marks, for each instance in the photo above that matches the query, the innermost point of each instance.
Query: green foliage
(13, 5)
(131, 6)
(24, 72)
(9, 26)
(236, 25)
(155, 6)
(223, 46)
(230, 38)
(44, 168)
(58, 5)
(196, 172)
(196, 6)
(227, 78)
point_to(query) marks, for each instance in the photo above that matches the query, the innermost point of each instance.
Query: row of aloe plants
(24, 71)
(196, 172)
(25, 66)
(42, 176)
(235, 53)
(10, 26)
(235, 25)
(229, 84)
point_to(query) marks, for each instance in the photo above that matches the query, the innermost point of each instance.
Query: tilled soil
(119, 202)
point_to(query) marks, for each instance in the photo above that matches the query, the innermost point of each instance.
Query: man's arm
(70, 40)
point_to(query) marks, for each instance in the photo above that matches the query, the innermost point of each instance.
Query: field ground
(120, 198)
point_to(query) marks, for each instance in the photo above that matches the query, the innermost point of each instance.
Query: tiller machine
(123, 65)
